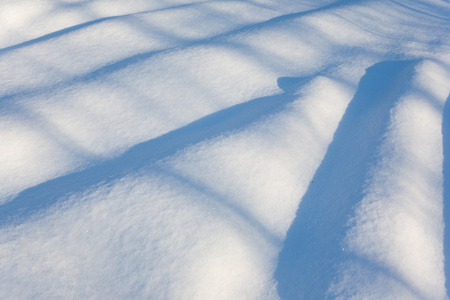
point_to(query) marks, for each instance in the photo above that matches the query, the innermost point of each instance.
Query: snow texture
(260, 149)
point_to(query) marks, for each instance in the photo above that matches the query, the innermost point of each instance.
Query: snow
(264, 149)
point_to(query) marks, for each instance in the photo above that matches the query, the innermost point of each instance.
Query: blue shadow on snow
(40, 197)
(311, 251)
(446, 172)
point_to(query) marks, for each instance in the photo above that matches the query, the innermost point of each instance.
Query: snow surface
(253, 149)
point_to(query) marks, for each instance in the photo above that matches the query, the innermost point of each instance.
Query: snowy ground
(252, 149)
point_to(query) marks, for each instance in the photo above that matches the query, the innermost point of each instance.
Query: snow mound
(224, 149)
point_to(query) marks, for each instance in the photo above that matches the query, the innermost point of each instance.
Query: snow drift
(224, 149)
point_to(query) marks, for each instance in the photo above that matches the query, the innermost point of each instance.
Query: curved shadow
(446, 173)
(250, 27)
(306, 264)
(73, 28)
(44, 195)
(117, 65)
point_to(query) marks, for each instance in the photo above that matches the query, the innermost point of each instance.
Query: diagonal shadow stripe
(116, 66)
(70, 29)
(44, 195)
(246, 28)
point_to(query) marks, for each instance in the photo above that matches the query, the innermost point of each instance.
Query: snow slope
(224, 149)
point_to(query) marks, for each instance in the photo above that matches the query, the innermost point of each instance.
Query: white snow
(263, 149)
